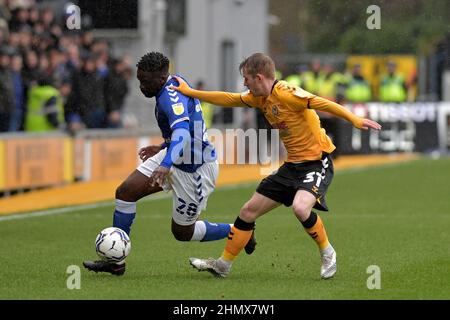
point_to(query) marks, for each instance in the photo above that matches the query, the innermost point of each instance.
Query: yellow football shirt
(286, 109)
(291, 110)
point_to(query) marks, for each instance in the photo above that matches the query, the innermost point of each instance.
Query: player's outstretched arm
(336, 109)
(226, 99)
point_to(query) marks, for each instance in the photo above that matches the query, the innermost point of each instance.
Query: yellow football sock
(237, 239)
(317, 230)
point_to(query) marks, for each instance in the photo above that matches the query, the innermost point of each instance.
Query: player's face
(253, 83)
(150, 83)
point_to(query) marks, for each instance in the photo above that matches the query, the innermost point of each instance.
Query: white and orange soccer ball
(113, 244)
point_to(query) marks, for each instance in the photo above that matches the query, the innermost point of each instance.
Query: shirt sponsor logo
(283, 127)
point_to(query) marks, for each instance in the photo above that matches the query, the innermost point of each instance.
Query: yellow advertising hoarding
(2, 165)
(28, 162)
(113, 158)
(33, 162)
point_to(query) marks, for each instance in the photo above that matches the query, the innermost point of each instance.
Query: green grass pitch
(396, 217)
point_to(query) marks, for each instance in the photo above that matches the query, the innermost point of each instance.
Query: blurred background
(70, 101)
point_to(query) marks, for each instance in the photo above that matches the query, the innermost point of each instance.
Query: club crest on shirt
(178, 108)
(275, 111)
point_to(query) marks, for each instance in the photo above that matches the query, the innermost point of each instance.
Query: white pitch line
(69, 209)
(164, 196)
(56, 211)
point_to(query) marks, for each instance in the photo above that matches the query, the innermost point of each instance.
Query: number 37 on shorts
(313, 180)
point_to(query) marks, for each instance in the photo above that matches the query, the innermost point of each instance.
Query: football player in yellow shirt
(302, 181)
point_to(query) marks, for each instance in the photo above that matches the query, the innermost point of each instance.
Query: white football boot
(217, 267)
(328, 258)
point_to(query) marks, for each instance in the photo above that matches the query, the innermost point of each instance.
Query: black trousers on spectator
(4, 121)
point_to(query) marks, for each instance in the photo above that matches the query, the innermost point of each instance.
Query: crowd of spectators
(352, 86)
(54, 78)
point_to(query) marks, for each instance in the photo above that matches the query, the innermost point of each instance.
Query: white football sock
(199, 231)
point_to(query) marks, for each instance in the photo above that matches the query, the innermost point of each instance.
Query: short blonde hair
(258, 63)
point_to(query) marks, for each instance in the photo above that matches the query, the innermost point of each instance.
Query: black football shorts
(312, 176)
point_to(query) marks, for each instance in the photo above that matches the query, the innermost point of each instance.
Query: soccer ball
(112, 244)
